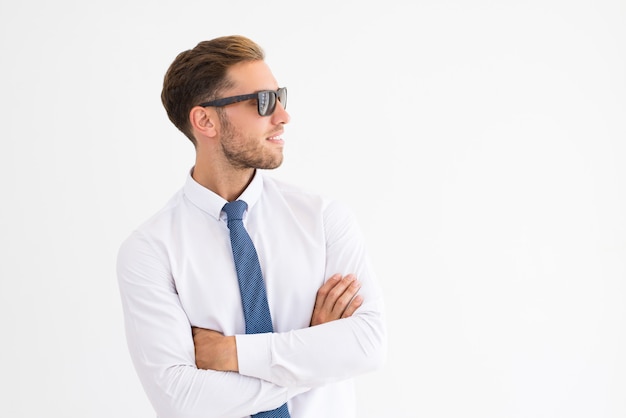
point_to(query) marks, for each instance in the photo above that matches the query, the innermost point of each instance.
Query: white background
(495, 131)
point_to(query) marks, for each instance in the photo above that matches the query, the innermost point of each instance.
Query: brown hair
(199, 75)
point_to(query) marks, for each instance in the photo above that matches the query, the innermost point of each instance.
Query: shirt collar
(212, 203)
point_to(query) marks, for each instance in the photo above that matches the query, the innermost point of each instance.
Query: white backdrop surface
(495, 130)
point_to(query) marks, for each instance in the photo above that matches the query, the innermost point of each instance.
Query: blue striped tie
(256, 310)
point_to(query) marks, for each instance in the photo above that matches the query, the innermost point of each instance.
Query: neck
(228, 183)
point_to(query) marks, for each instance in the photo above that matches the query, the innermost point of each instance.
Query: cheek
(256, 130)
(243, 120)
(246, 123)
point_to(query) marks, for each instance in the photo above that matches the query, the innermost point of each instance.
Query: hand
(214, 351)
(336, 299)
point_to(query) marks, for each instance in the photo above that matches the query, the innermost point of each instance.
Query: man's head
(200, 74)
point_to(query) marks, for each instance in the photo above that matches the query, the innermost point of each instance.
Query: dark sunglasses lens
(267, 102)
(282, 96)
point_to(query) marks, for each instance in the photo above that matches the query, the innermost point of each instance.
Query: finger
(353, 306)
(322, 293)
(348, 293)
(338, 290)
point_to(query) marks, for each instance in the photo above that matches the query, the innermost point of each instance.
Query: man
(178, 282)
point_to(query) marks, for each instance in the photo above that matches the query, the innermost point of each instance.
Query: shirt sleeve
(161, 346)
(339, 349)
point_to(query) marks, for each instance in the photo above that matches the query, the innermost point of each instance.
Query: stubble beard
(246, 152)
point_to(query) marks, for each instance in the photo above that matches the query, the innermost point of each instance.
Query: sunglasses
(266, 100)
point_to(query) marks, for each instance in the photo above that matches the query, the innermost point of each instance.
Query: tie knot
(234, 210)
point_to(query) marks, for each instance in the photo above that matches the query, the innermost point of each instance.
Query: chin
(270, 165)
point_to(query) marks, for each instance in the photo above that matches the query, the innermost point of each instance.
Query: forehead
(248, 77)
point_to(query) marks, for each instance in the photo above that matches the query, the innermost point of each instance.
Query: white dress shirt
(176, 271)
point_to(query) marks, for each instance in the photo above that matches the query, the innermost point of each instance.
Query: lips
(276, 137)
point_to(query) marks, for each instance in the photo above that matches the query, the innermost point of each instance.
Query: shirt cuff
(254, 355)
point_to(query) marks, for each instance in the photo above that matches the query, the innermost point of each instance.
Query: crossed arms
(336, 299)
(199, 373)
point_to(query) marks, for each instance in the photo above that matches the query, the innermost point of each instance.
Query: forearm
(177, 388)
(335, 300)
(317, 355)
(187, 392)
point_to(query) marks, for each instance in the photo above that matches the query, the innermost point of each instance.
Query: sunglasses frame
(225, 101)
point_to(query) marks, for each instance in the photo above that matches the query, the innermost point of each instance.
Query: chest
(293, 265)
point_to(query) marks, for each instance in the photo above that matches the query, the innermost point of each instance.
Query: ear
(203, 121)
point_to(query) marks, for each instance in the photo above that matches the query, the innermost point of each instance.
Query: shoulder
(156, 224)
(165, 214)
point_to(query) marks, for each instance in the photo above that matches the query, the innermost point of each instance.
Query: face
(249, 140)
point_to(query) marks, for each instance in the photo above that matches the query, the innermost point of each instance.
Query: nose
(280, 115)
